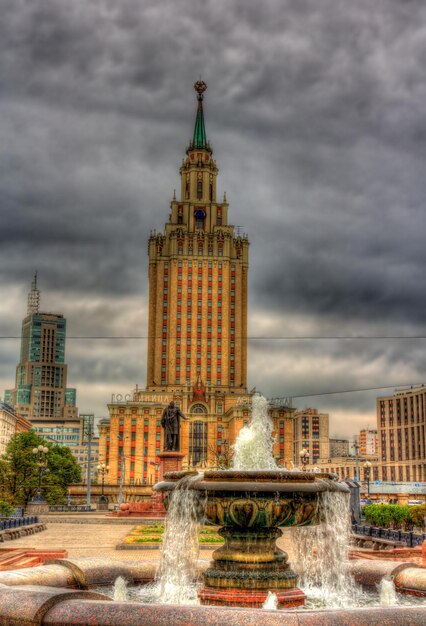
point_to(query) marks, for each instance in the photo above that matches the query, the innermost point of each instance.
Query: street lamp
(367, 470)
(103, 500)
(122, 470)
(41, 452)
(304, 457)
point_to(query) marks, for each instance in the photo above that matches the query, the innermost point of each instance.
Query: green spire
(200, 139)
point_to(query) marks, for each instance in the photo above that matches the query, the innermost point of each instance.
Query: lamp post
(304, 457)
(356, 448)
(367, 470)
(41, 452)
(103, 500)
(122, 470)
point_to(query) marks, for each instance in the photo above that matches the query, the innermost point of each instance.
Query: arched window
(198, 409)
(199, 218)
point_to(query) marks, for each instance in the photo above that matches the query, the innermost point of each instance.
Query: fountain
(250, 506)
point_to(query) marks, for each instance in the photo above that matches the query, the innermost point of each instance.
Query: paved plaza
(91, 536)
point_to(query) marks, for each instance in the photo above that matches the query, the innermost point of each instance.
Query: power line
(250, 337)
(330, 393)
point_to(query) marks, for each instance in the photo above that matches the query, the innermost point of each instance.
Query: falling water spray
(175, 579)
(322, 554)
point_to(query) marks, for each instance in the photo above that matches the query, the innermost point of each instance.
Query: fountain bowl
(250, 507)
(257, 499)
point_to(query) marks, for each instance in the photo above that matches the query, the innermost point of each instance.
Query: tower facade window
(199, 218)
(198, 442)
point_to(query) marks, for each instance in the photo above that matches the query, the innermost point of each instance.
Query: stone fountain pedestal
(246, 568)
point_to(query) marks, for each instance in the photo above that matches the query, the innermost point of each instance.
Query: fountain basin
(39, 596)
(250, 506)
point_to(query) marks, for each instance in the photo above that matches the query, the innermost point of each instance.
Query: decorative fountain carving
(250, 506)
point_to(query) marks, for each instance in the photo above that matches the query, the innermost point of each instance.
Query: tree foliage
(6, 509)
(19, 470)
(224, 458)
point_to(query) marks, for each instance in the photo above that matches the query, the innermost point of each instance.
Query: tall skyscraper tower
(197, 346)
(41, 393)
(198, 282)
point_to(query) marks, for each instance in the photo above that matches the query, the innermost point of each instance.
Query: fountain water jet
(120, 590)
(387, 592)
(253, 448)
(271, 602)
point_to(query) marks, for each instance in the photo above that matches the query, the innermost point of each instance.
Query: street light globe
(40, 448)
(45, 450)
(35, 450)
(302, 452)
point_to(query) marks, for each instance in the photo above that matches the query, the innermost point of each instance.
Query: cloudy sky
(316, 114)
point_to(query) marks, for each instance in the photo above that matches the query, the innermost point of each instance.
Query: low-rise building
(10, 424)
(367, 441)
(339, 447)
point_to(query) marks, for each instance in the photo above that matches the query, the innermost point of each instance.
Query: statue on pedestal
(170, 421)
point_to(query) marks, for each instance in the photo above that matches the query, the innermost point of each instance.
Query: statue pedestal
(169, 462)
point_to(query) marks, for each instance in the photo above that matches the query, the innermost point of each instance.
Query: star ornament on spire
(200, 87)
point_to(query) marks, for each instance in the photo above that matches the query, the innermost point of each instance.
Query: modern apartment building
(41, 394)
(401, 435)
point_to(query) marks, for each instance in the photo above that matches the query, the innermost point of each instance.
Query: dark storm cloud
(316, 114)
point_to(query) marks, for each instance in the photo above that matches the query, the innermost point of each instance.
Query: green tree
(19, 475)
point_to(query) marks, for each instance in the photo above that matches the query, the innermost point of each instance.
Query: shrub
(418, 515)
(387, 515)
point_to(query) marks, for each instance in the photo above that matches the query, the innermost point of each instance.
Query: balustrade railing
(70, 508)
(17, 522)
(410, 538)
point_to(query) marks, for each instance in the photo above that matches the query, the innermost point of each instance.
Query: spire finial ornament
(33, 297)
(200, 87)
(200, 139)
